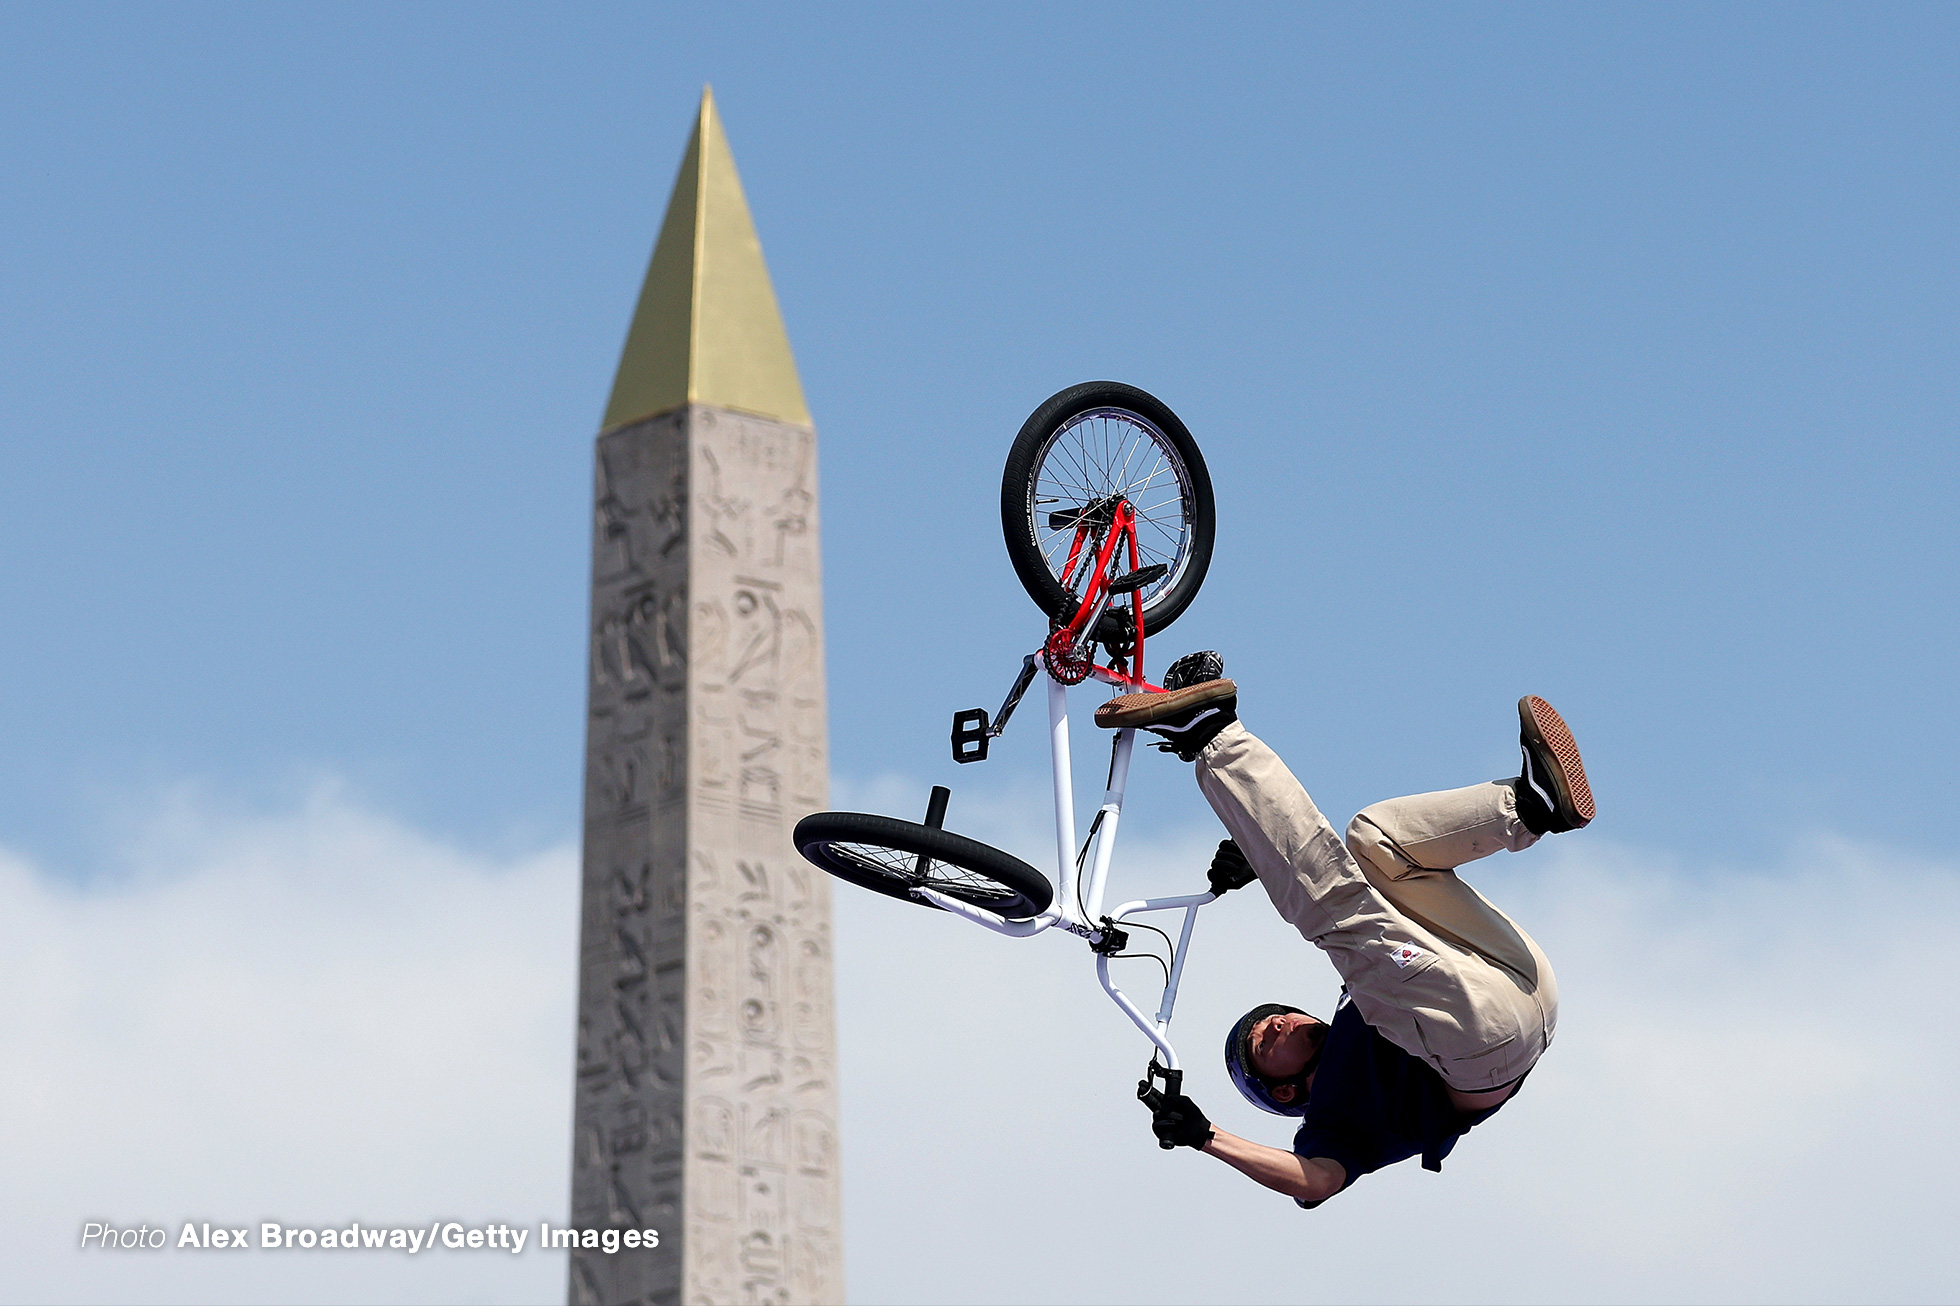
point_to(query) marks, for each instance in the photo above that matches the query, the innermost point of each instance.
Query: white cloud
(321, 1016)
(1748, 1101)
(316, 1017)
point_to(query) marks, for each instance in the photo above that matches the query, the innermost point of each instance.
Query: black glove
(1229, 868)
(1176, 1119)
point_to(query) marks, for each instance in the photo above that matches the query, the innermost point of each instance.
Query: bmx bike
(1107, 511)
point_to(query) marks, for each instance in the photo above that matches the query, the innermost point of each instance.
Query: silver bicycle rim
(1108, 451)
(893, 864)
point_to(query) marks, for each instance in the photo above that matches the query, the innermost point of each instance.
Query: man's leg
(1409, 848)
(1431, 998)
(1315, 884)
(1435, 998)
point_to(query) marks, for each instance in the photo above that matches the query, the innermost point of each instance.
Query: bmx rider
(1446, 1004)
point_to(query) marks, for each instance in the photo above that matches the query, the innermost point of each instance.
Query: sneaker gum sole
(1548, 729)
(1142, 709)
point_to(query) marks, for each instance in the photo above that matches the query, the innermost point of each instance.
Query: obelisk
(706, 1104)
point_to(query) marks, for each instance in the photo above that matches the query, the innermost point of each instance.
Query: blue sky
(1607, 356)
(1603, 353)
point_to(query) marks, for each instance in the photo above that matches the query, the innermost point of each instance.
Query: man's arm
(1310, 1179)
(1177, 1122)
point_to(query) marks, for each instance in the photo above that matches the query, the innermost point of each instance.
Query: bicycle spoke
(904, 867)
(1131, 450)
(1078, 457)
(1101, 456)
(1163, 468)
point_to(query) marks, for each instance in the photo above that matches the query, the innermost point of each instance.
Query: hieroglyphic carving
(630, 1107)
(758, 752)
(706, 1102)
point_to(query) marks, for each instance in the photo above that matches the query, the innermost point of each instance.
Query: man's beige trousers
(1440, 972)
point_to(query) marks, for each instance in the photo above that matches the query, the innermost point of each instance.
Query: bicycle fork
(1101, 929)
(1082, 872)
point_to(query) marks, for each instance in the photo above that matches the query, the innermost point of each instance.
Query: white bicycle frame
(1078, 904)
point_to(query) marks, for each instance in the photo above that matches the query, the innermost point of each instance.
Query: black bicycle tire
(816, 833)
(1016, 493)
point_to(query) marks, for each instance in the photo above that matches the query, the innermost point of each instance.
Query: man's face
(1281, 1046)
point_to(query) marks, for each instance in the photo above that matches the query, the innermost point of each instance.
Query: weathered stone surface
(706, 1102)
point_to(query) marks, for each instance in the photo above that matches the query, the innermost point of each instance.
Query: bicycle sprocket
(1065, 662)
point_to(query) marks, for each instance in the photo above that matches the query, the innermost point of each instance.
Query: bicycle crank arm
(972, 732)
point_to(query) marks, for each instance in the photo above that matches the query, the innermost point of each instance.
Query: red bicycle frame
(1066, 642)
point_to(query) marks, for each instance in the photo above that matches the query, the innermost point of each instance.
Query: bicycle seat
(1097, 514)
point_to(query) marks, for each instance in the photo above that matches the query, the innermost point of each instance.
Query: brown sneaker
(1553, 795)
(1186, 719)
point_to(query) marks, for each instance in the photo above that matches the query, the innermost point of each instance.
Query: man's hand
(1179, 1123)
(1229, 868)
(1176, 1119)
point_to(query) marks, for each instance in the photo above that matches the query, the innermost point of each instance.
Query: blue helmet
(1256, 1088)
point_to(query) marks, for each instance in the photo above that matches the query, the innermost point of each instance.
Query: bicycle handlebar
(1151, 1096)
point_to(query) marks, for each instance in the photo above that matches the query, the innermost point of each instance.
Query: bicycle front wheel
(1080, 451)
(895, 857)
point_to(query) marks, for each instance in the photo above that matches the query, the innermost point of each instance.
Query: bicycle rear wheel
(1084, 448)
(895, 857)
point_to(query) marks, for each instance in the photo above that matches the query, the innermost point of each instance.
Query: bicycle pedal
(970, 737)
(1136, 580)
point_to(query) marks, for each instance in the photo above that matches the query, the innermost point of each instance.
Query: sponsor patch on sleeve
(1405, 955)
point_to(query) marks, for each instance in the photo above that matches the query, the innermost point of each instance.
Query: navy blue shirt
(1373, 1104)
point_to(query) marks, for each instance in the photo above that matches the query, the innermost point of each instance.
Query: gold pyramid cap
(707, 329)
